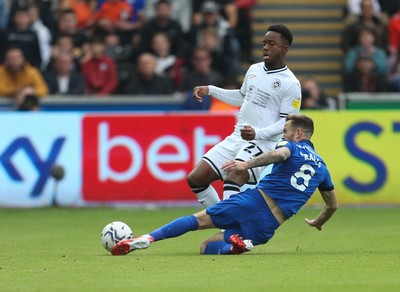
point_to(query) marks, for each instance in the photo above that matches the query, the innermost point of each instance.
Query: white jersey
(269, 95)
(266, 98)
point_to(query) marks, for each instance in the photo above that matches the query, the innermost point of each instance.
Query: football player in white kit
(270, 91)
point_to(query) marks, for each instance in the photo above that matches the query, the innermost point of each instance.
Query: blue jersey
(293, 181)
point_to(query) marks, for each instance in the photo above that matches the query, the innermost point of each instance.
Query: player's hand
(313, 223)
(247, 133)
(234, 165)
(199, 92)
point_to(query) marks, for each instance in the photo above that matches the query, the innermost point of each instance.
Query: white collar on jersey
(275, 70)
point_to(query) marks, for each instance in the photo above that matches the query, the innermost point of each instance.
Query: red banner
(146, 157)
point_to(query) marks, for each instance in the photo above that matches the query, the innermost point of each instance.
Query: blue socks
(218, 247)
(176, 228)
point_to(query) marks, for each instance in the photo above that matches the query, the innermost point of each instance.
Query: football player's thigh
(218, 155)
(251, 150)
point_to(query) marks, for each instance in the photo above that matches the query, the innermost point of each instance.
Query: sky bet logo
(41, 164)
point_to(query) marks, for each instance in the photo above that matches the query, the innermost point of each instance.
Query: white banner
(30, 145)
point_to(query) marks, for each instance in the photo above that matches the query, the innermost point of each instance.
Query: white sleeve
(271, 131)
(229, 96)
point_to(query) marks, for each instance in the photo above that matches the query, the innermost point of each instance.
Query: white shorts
(231, 148)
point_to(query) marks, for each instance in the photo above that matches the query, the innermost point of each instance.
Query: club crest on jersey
(250, 92)
(276, 85)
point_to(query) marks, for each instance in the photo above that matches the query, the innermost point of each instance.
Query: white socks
(230, 188)
(207, 196)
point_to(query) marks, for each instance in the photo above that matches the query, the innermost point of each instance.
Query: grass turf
(55, 249)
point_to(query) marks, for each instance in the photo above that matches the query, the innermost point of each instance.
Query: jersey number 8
(304, 174)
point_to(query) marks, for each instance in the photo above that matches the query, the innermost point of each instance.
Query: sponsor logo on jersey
(297, 102)
(282, 143)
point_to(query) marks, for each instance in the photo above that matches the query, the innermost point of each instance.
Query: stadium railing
(106, 103)
(368, 101)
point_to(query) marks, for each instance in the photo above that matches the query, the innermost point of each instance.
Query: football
(114, 232)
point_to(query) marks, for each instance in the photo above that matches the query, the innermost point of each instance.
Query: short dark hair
(162, 2)
(66, 11)
(302, 121)
(284, 31)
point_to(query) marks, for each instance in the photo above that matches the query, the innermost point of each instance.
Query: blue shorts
(246, 214)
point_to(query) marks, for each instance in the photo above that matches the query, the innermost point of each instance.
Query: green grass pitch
(57, 249)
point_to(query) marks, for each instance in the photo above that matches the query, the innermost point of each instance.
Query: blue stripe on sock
(176, 228)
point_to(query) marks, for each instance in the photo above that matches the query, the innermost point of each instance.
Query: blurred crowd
(121, 47)
(371, 46)
(137, 47)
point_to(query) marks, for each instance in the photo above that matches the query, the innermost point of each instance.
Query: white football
(114, 232)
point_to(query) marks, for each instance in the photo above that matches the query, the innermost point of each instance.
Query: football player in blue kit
(251, 217)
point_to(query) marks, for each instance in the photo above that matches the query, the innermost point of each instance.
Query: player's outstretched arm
(330, 207)
(199, 92)
(264, 159)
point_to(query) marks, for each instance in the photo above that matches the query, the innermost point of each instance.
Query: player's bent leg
(233, 181)
(199, 180)
(175, 228)
(217, 245)
(204, 220)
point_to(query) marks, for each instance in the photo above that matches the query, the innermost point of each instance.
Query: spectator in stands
(354, 8)
(130, 29)
(4, 11)
(65, 44)
(369, 19)
(44, 36)
(181, 11)
(16, 73)
(116, 49)
(366, 45)
(243, 29)
(84, 10)
(21, 35)
(162, 22)
(313, 97)
(114, 16)
(167, 64)
(99, 71)
(225, 62)
(201, 72)
(146, 81)
(122, 55)
(61, 79)
(228, 11)
(228, 43)
(68, 25)
(365, 78)
(45, 10)
(394, 49)
(389, 7)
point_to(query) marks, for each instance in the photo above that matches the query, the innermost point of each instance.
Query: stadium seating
(317, 26)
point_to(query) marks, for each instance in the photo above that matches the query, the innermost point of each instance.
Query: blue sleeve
(326, 184)
(287, 144)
